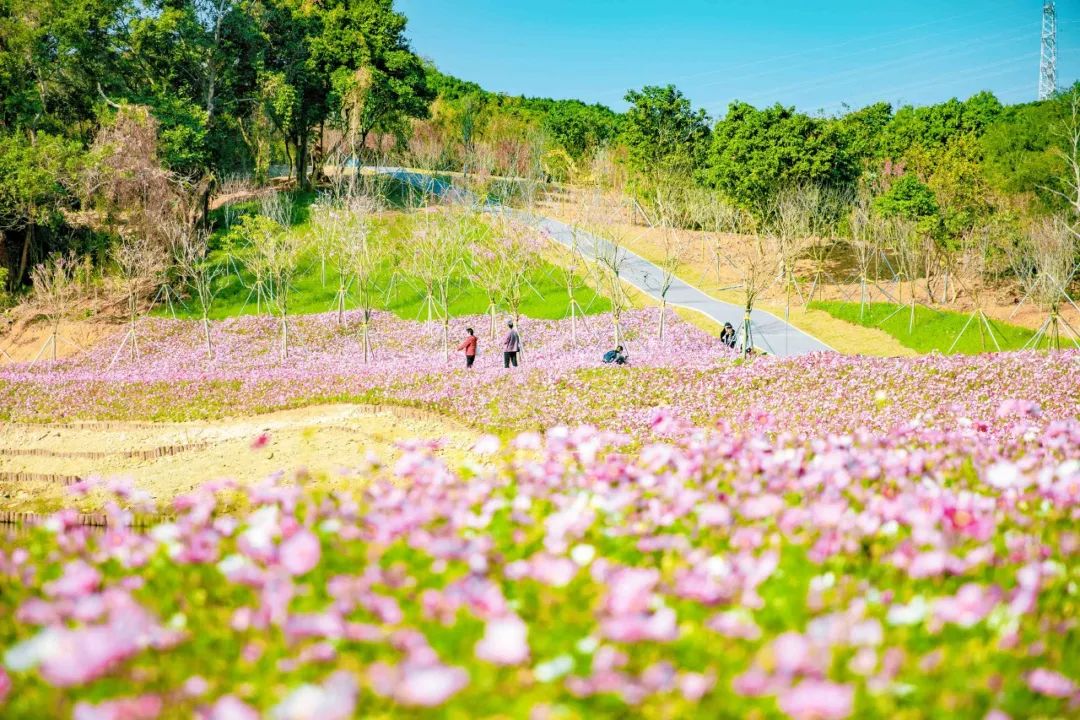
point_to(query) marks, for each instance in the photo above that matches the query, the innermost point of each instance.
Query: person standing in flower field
(511, 346)
(469, 346)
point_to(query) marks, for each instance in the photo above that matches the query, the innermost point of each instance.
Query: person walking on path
(469, 346)
(511, 346)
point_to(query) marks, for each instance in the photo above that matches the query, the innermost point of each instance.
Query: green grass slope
(933, 330)
(315, 286)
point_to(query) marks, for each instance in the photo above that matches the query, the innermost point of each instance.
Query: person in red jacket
(469, 346)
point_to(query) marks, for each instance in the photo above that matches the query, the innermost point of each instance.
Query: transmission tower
(1048, 61)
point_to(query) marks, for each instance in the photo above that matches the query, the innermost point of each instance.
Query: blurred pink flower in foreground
(229, 707)
(300, 553)
(147, 707)
(421, 685)
(505, 641)
(1049, 682)
(818, 700)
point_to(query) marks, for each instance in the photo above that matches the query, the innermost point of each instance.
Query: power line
(847, 57)
(809, 51)
(864, 72)
(966, 76)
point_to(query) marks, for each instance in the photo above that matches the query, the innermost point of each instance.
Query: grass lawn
(934, 330)
(315, 287)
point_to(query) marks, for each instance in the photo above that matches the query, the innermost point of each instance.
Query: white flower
(582, 554)
(1005, 475)
(587, 645)
(487, 445)
(554, 668)
(718, 566)
(910, 614)
(29, 653)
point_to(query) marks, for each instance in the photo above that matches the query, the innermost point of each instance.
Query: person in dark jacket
(469, 346)
(617, 356)
(727, 335)
(511, 346)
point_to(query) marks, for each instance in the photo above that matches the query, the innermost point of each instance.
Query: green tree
(195, 63)
(864, 129)
(663, 134)
(578, 128)
(376, 80)
(756, 152)
(35, 181)
(908, 199)
(932, 127)
(1021, 152)
(54, 57)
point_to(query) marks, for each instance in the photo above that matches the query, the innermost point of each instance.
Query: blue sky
(813, 55)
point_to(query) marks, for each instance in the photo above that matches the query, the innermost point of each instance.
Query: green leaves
(908, 198)
(663, 133)
(755, 153)
(36, 176)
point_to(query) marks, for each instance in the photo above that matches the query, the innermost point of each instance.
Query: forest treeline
(110, 106)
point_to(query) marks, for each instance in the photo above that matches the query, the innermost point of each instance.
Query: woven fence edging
(83, 519)
(51, 478)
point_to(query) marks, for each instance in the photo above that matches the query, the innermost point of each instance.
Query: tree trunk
(364, 339)
(573, 321)
(24, 259)
(284, 336)
(301, 160)
(206, 335)
(663, 313)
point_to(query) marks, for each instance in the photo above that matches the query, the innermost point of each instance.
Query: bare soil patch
(25, 340)
(331, 445)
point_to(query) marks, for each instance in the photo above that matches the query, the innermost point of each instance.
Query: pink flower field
(691, 536)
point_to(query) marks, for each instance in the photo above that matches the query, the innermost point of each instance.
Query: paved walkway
(770, 333)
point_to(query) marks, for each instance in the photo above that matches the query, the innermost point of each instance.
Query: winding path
(770, 333)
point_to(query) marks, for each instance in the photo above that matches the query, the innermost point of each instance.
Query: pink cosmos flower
(752, 683)
(146, 707)
(1050, 682)
(734, 624)
(487, 445)
(971, 604)
(791, 652)
(695, 686)
(761, 506)
(505, 641)
(630, 591)
(714, 515)
(427, 685)
(334, 699)
(5, 685)
(78, 579)
(229, 707)
(300, 553)
(928, 564)
(818, 700)
(195, 686)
